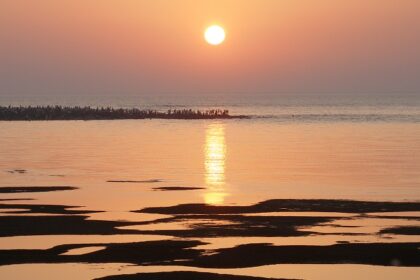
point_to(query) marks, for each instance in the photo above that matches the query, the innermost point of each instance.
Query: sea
(292, 146)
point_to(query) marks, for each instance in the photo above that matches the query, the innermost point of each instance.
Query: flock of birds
(105, 113)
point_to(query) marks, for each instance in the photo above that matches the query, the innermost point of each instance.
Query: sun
(215, 35)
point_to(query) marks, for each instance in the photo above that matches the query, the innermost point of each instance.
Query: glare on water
(215, 161)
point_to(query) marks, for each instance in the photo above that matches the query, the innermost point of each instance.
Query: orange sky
(129, 46)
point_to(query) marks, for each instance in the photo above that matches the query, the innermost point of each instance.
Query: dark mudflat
(178, 189)
(15, 199)
(60, 225)
(184, 253)
(19, 171)
(152, 252)
(201, 226)
(35, 189)
(404, 230)
(204, 221)
(198, 226)
(289, 205)
(43, 209)
(131, 181)
(181, 275)
(386, 254)
(410, 218)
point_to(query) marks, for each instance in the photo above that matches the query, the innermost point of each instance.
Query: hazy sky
(157, 46)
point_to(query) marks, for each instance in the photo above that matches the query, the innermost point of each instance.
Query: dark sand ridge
(19, 171)
(175, 188)
(136, 181)
(403, 230)
(152, 252)
(385, 254)
(402, 217)
(201, 226)
(44, 209)
(271, 226)
(35, 189)
(24, 171)
(182, 253)
(23, 225)
(197, 225)
(289, 205)
(16, 199)
(60, 225)
(182, 275)
(178, 188)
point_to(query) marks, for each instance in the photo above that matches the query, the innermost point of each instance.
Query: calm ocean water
(365, 148)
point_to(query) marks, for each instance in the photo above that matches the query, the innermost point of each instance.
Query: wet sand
(35, 189)
(136, 181)
(178, 189)
(172, 252)
(184, 275)
(402, 230)
(18, 171)
(203, 221)
(290, 205)
(42, 209)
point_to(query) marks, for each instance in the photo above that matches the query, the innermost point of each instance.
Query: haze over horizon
(157, 47)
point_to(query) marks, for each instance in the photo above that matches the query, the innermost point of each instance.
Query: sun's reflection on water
(214, 163)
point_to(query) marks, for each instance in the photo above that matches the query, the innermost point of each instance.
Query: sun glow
(215, 35)
(215, 157)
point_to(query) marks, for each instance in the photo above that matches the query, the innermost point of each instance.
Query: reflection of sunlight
(215, 156)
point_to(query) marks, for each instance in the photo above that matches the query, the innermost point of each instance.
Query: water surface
(317, 149)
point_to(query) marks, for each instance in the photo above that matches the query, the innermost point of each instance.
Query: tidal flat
(225, 204)
(203, 221)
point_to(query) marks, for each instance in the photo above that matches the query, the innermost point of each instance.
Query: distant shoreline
(63, 113)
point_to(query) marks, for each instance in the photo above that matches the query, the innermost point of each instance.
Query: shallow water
(238, 162)
(235, 164)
